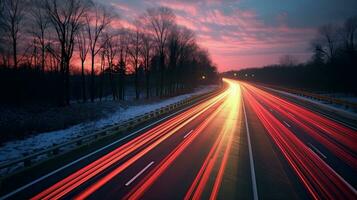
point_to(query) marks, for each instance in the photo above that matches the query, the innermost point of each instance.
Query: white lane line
(290, 114)
(288, 125)
(90, 154)
(251, 161)
(317, 150)
(138, 174)
(337, 174)
(188, 133)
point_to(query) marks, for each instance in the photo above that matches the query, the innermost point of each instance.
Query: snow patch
(19, 148)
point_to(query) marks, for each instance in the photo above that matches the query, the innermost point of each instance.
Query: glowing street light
(203, 77)
(235, 74)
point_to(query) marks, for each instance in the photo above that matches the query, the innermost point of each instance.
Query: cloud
(185, 7)
(242, 33)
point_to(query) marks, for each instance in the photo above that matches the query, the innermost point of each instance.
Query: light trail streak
(137, 156)
(319, 178)
(340, 143)
(139, 190)
(74, 180)
(344, 135)
(231, 125)
(222, 144)
(225, 137)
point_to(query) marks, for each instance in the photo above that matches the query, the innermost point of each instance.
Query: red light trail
(316, 175)
(319, 178)
(152, 138)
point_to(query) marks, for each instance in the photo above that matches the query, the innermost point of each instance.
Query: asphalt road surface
(243, 143)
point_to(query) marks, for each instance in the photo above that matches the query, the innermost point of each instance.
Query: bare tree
(102, 69)
(83, 48)
(122, 65)
(39, 27)
(173, 46)
(111, 51)
(2, 52)
(349, 33)
(135, 45)
(146, 54)
(327, 41)
(187, 41)
(66, 17)
(98, 19)
(179, 39)
(53, 50)
(160, 21)
(12, 22)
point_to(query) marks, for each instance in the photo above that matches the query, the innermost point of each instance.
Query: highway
(243, 143)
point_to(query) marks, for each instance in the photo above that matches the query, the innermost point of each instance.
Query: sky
(247, 33)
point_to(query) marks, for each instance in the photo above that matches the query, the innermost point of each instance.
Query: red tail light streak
(316, 175)
(319, 178)
(144, 143)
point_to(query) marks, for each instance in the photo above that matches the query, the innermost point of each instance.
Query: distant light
(246, 75)
(203, 77)
(253, 75)
(235, 74)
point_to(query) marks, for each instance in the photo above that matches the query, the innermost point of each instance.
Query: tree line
(56, 50)
(332, 67)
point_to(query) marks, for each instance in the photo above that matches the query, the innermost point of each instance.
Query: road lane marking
(317, 150)
(251, 161)
(188, 134)
(138, 174)
(288, 125)
(291, 114)
(91, 154)
(271, 110)
(337, 174)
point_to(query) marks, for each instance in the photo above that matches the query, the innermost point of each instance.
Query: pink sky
(244, 33)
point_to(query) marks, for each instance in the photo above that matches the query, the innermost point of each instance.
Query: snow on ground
(18, 148)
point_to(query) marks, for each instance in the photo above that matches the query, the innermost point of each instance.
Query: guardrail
(66, 147)
(314, 96)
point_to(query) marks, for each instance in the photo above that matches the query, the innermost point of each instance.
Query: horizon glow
(247, 33)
